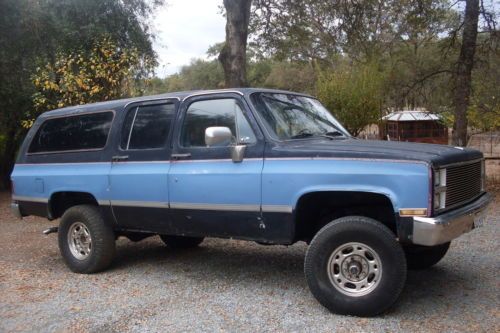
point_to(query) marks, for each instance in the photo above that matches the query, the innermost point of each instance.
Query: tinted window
(150, 126)
(89, 131)
(216, 112)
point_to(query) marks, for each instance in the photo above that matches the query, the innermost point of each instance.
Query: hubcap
(354, 269)
(79, 240)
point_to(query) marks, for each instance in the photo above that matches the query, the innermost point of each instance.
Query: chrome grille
(463, 183)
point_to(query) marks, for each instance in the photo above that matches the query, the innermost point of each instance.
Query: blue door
(140, 166)
(210, 194)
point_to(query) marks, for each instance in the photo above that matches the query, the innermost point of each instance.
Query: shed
(414, 126)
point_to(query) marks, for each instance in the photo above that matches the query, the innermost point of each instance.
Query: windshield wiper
(301, 135)
(331, 135)
(306, 134)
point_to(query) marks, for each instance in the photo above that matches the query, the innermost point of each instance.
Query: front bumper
(14, 208)
(430, 231)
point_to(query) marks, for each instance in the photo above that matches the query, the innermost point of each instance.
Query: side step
(50, 230)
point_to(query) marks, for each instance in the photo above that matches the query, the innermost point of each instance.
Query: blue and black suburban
(269, 166)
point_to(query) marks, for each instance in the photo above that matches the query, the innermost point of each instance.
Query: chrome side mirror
(238, 153)
(222, 136)
(218, 136)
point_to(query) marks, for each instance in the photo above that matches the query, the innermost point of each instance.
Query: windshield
(288, 116)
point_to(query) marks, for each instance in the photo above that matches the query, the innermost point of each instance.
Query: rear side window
(147, 127)
(82, 132)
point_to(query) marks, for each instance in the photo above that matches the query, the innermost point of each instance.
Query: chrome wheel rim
(354, 269)
(79, 240)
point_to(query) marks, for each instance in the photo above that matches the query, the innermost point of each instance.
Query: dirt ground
(228, 285)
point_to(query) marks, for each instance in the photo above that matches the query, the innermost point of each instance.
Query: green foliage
(199, 74)
(320, 30)
(36, 33)
(75, 24)
(353, 94)
(484, 109)
(359, 57)
(407, 39)
(265, 73)
(292, 76)
(102, 73)
(418, 75)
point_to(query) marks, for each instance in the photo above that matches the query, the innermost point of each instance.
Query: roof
(411, 115)
(180, 95)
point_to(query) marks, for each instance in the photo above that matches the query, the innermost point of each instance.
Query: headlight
(440, 177)
(437, 178)
(439, 189)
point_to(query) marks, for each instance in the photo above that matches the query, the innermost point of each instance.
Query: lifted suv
(263, 165)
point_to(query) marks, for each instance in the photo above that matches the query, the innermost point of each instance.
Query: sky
(185, 29)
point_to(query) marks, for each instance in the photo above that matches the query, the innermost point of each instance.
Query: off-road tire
(103, 239)
(365, 231)
(422, 257)
(181, 242)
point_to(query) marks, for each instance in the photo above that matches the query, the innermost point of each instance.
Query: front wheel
(355, 266)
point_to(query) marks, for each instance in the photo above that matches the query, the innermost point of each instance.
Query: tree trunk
(233, 54)
(463, 75)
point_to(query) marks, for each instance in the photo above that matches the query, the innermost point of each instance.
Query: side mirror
(238, 153)
(218, 136)
(222, 136)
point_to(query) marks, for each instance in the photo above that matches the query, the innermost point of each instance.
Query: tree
(463, 74)
(198, 75)
(414, 41)
(418, 75)
(353, 94)
(35, 32)
(294, 76)
(18, 47)
(233, 53)
(364, 30)
(484, 108)
(105, 72)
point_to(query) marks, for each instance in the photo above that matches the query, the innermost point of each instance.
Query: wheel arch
(60, 201)
(315, 208)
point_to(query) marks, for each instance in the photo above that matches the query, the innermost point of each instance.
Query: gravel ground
(228, 285)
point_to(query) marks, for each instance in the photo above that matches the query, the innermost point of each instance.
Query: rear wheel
(355, 266)
(181, 242)
(86, 242)
(421, 257)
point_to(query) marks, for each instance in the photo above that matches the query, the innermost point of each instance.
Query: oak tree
(233, 53)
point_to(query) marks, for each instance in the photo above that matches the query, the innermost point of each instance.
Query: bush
(354, 95)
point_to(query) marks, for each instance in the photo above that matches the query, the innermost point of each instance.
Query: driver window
(215, 112)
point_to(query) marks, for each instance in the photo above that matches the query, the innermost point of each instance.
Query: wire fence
(488, 143)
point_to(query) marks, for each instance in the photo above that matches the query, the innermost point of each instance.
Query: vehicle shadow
(256, 265)
(244, 262)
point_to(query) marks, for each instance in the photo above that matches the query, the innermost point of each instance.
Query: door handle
(119, 158)
(181, 156)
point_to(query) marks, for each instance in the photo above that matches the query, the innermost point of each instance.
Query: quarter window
(80, 132)
(215, 112)
(147, 127)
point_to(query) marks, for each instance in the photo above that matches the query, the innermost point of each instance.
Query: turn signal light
(413, 212)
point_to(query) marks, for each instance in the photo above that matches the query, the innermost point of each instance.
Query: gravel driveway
(228, 285)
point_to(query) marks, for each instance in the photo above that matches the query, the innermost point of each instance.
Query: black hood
(435, 155)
